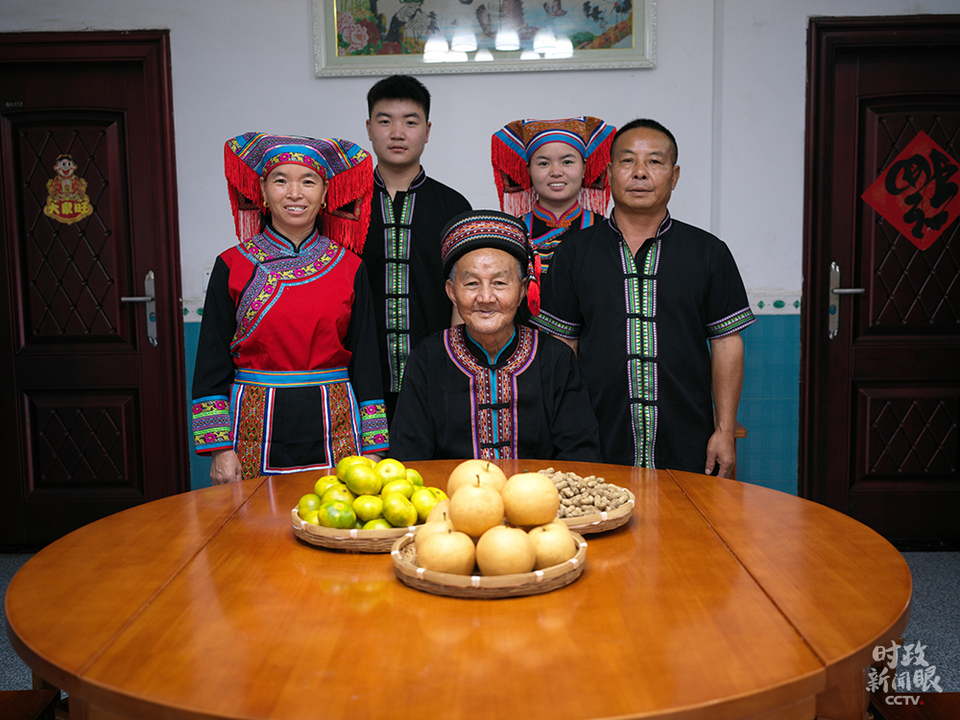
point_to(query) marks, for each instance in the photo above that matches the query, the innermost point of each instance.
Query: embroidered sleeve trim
(374, 437)
(555, 326)
(211, 424)
(731, 324)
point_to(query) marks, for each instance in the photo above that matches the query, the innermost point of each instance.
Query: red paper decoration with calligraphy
(917, 193)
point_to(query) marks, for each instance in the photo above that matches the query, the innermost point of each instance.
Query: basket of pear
(494, 537)
(365, 506)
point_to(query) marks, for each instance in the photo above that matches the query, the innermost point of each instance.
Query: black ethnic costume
(402, 255)
(527, 402)
(643, 324)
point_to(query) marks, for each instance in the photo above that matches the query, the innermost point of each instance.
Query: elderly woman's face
(487, 290)
(294, 194)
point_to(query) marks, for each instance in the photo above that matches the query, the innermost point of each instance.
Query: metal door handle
(150, 306)
(833, 321)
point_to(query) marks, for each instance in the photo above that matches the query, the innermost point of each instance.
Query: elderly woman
(553, 175)
(288, 374)
(490, 388)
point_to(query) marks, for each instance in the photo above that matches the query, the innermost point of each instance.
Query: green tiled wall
(770, 403)
(199, 466)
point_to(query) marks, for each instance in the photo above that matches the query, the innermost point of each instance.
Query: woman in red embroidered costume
(288, 374)
(552, 175)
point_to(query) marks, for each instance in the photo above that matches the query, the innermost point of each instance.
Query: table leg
(847, 700)
(80, 710)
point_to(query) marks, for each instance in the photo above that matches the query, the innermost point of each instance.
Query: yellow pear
(530, 499)
(475, 508)
(429, 528)
(469, 471)
(503, 550)
(449, 552)
(441, 511)
(553, 544)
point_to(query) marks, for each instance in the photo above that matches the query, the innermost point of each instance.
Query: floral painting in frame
(374, 37)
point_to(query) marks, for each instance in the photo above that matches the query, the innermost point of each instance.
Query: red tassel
(533, 297)
(353, 187)
(512, 179)
(243, 186)
(596, 171)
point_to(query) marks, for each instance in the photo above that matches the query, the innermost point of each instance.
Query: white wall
(729, 82)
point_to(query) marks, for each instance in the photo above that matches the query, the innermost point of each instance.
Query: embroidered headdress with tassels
(346, 167)
(477, 229)
(515, 144)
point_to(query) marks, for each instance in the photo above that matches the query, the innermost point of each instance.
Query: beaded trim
(640, 293)
(396, 250)
(493, 393)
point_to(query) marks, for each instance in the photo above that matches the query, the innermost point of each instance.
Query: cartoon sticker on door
(67, 199)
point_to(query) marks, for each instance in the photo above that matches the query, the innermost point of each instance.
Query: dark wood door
(880, 401)
(94, 407)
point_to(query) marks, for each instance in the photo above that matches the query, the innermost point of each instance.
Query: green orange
(352, 460)
(336, 515)
(362, 480)
(368, 507)
(324, 483)
(339, 493)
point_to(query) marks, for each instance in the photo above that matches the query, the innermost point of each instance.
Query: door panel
(880, 401)
(100, 410)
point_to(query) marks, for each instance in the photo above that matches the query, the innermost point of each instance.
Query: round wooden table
(718, 600)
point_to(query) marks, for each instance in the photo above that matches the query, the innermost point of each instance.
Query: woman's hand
(225, 467)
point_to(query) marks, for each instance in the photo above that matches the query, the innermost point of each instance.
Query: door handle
(833, 323)
(149, 306)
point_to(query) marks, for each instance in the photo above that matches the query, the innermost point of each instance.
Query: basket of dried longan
(591, 504)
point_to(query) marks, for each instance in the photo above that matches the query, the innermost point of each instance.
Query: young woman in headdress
(552, 174)
(288, 373)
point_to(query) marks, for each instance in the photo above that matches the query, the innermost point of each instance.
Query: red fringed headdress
(346, 167)
(514, 145)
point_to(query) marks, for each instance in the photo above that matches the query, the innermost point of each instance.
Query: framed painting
(381, 37)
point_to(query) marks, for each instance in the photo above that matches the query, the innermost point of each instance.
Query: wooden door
(880, 401)
(95, 417)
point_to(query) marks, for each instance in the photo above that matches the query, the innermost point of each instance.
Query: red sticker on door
(918, 193)
(67, 199)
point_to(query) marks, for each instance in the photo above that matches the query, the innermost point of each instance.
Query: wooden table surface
(718, 600)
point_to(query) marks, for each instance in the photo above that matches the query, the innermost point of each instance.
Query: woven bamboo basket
(603, 521)
(366, 541)
(404, 556)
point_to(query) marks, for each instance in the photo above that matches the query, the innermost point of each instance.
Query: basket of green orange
(364, 506)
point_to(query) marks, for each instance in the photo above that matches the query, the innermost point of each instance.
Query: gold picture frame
(381, 37)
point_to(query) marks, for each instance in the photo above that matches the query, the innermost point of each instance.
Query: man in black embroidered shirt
(489, 388)
(402, 251)
(640, 297)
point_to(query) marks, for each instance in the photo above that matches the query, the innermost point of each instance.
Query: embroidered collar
(483, 356)
(552, 221)
(279, 244)
(665, 224)
(414, 184)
